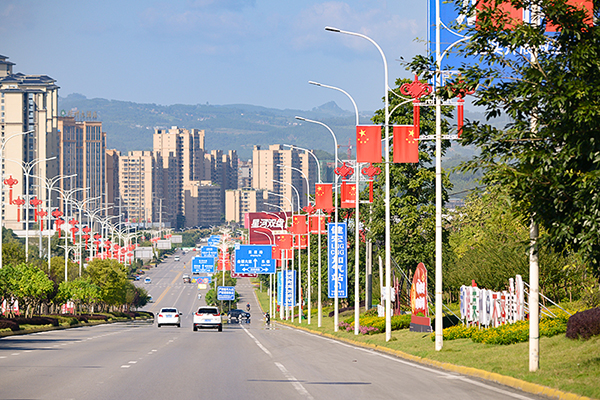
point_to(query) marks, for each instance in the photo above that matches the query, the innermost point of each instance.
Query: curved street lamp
(388, 255)
(336, 313)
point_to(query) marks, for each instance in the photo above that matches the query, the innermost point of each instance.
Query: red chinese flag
(406, 145)
(275, 253)
(348, 195)
(299, 225)
(314, 224)
(303, 241)
(323, 196)
(283, 241)
(368, 144)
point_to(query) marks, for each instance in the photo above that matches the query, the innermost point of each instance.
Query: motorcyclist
(267, 318)
(248, 307)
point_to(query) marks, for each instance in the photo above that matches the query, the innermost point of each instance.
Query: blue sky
(260, 52)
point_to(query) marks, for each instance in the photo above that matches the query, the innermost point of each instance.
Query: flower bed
(508, 333)
(370, 324)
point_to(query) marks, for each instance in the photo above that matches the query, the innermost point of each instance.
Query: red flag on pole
(323, 196)
(283, 241)
(348, 195)
(368, 144)
(298, 225)
(406, 145)
(314, 224)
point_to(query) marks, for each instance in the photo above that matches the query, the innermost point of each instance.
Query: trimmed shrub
(584, 324)
(8, 324)
(36, 321)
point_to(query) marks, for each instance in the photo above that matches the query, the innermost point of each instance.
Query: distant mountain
(130, 126)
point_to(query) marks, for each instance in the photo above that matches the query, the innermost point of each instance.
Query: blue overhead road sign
(203, 265)
(225, 292)
(254, 259)
(209, 251)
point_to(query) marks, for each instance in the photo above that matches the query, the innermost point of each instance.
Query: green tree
(111, 277)
(548, 156)
(81, 291)
(13, 253)
(27, 284)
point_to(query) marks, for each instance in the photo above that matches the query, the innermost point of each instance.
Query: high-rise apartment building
(140, 187)
(27, 103)
(181, 152)
(241, 201)
(202, 200)
(112, 180)
(82, 151)
(277, 169)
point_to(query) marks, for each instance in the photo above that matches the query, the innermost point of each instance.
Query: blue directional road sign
(225, 292)
(213, 240)
(337, 244)
(203, 265)
(254, 259)
(209, 251)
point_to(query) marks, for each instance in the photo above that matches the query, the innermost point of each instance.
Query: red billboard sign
(261, 225)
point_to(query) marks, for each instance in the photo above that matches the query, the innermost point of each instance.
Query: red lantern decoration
(10, 182)
(86, 237)
(42, 214)
(416, 89)
(19, 202)
(74, 230)
(58, 223)
(36, 203)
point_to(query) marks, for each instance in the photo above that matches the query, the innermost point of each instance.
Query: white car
(168, 316)
(147, 280)
(208, 317)
(176, 258)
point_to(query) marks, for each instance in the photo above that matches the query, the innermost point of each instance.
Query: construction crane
(349, 146)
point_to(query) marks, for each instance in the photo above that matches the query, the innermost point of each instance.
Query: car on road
(208, 317)
(176, 258)
(168, 316)
(147, 280)
(237, 316)
(187, 279)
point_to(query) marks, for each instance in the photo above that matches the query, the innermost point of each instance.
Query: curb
(515, 383)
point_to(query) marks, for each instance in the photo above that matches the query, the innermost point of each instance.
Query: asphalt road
(246, 361)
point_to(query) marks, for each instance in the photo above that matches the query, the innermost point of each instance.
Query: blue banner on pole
(225, 292)
(254, 259)
(286, 295)
(337, 256)
(203, 265)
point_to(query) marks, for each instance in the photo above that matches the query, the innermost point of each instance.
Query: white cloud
(373, 19)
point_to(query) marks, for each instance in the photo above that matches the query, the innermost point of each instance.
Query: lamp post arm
(340, 90)
(312, 154)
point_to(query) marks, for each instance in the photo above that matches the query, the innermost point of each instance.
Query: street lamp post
(388, 302)
(4, 141)
(356, 218)
(309, 282)
(319, 300)
(284, 298)
(299, 259)
(283, 258)
(335, 262)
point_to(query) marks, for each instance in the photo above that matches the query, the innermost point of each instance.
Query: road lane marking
(259, 344)
(125, 366)
(164, 293)
(441, 374)
(297, 385)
